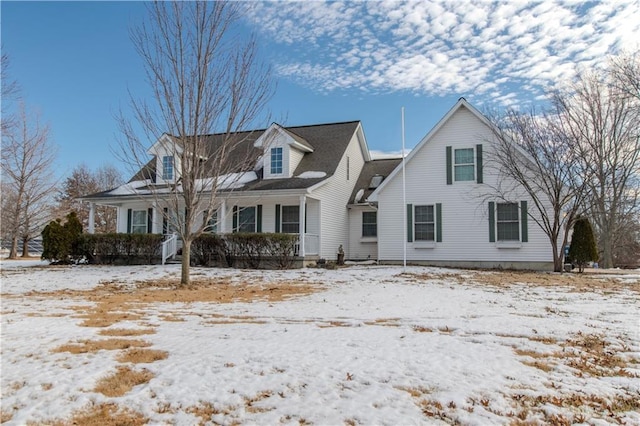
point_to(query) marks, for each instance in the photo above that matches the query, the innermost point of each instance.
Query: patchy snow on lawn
(370, 345)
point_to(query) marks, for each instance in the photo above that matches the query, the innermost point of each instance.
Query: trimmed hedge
(127, 249)
(249, 250)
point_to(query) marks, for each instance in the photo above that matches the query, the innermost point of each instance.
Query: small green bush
(583, 244)
(61, 242)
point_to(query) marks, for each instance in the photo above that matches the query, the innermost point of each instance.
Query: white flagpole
(404, 204)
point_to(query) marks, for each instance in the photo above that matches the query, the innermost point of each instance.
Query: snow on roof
(311, 175)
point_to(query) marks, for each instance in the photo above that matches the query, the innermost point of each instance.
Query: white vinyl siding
(334, 196)
(465, 215)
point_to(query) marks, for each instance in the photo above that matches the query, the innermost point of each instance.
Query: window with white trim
(463, 166)
(167, 167)
(212, 223)
(369, 224)
(424, 223)
(276, 161)
(247, 219)
(508, 221)
(290, 219)
(139, 221)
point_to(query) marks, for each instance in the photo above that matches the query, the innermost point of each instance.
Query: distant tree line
(30, 191)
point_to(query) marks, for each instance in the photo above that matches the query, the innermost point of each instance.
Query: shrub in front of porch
(121, 249)
(247, 250)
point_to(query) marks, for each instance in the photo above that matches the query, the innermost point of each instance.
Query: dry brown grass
(126, 332)
(140, 356)
(574, 405)
(114, 302)
(84, 346)
(204, 411)
(577, 282)
(122, 381)
(5, 416)
(586, 354)
(106, 414)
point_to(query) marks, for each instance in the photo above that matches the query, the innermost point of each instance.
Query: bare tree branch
(27, 161)
(205, 79)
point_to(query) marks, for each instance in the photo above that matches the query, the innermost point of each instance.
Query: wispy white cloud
(486, 49)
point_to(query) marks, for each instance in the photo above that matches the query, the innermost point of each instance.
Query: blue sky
(332, 61)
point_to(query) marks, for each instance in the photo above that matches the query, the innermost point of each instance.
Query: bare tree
(532, 154)
(27, 160)
(205, 78)
(82, 181)
(625, 70)
(605, 124)
(10, 92)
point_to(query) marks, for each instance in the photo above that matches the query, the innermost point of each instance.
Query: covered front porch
(289, 214)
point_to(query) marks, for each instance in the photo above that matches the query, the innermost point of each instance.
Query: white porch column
(92, 220)
(222, 217)
(154, 218)
(303, 202)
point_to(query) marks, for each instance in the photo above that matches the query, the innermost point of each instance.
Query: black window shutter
(165, 224)
(439, 222)
(449, 166)
(277, 218)
(235, 219)
(259, 218)
(409, 223)
(523, 221)
(129, 213)
(492, 222)
(479, 163)
(149, 221)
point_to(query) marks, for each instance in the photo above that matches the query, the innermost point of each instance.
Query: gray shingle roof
(370, 169)
(329, 143)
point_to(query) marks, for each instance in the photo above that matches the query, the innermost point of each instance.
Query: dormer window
(276, 161)
(167, 167)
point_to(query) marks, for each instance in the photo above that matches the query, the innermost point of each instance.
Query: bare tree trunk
(13, 251)
(207, 85)
(185, 279)
(25, 246)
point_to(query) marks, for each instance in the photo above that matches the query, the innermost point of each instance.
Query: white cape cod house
(298, 180)
(320, 183)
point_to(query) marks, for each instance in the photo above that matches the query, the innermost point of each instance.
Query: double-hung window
(290, 219)
(167, 167)
(212, 223)
(139, 221)
(276, 161)
(508, 224)
(424, 223)
(247, 219)
(369, 224)
(463, 166)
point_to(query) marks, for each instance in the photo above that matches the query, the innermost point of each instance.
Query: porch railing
(311, 245)
(169, 247)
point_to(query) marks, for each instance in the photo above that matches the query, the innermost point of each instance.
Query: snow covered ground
(371, 345)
